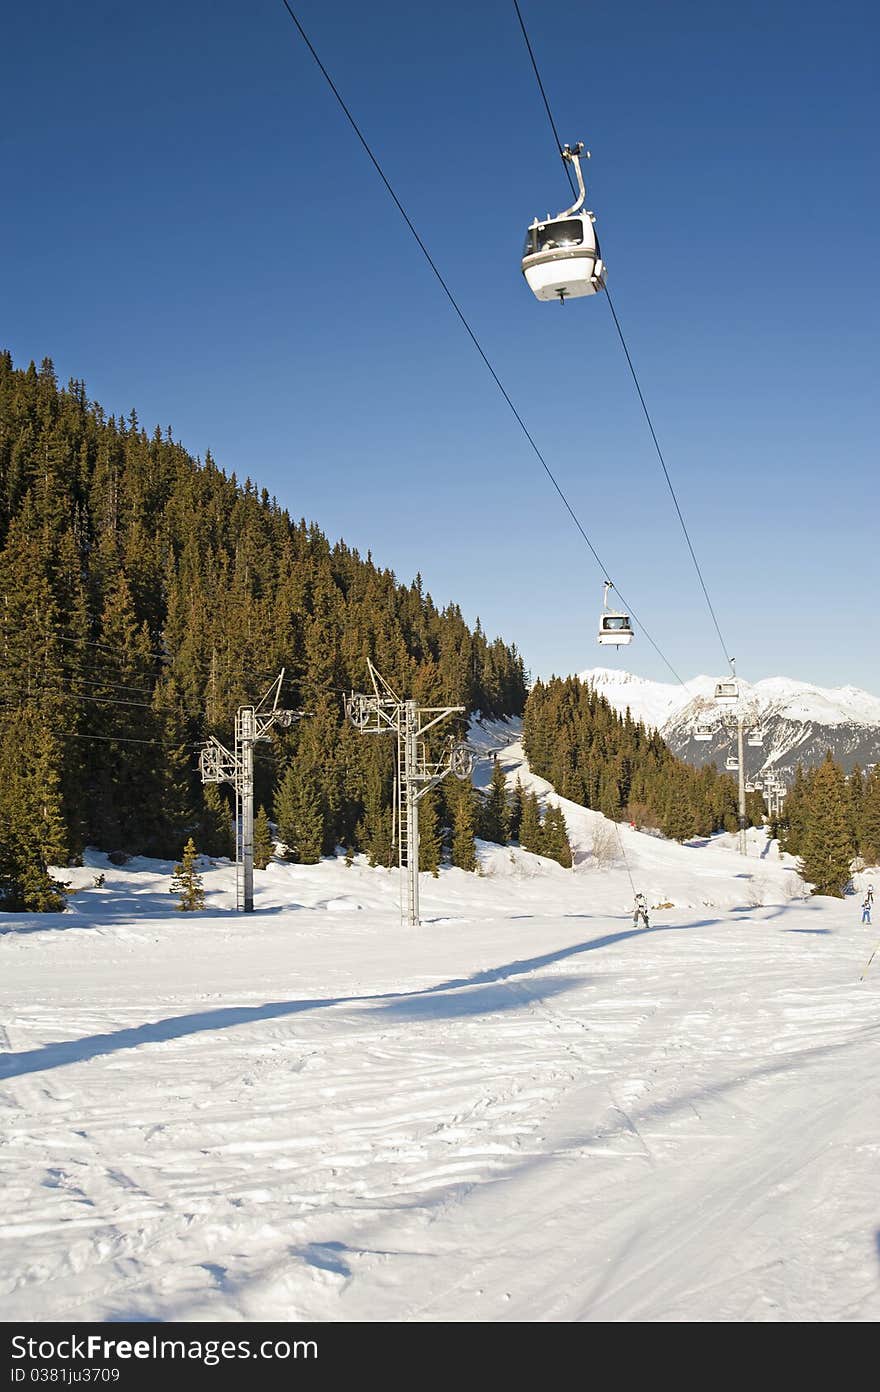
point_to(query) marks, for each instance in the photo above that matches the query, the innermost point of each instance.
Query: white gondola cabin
(614, 625)
(561, 258)
(703, 732)
(727, 693)
(756, 739)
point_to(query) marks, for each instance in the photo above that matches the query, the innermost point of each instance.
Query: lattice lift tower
(384, 713)
(217, 764)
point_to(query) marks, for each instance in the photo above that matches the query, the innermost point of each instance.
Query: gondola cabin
(727, 693)
(731, 764)
(616, 629)
(561, 259)
(703, 732)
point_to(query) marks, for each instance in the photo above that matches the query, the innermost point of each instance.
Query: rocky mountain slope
(798, 721)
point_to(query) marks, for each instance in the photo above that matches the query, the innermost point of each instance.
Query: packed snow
(523, 1110)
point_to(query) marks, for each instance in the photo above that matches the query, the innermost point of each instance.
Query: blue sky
(192, 229)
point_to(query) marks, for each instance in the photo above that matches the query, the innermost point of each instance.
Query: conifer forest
(145, 595)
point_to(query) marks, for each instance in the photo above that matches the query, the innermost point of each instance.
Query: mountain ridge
(799, 720)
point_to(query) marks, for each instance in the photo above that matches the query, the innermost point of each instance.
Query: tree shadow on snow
(58, 1055)
(479, 1000)
(127, 910)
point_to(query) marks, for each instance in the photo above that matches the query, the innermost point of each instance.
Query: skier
(640, 910)
(866, 909)
(870, 894)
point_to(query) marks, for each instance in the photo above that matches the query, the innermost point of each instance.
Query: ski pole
(868, 963)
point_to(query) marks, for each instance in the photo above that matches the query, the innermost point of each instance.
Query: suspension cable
(628, 356)
(470, 332)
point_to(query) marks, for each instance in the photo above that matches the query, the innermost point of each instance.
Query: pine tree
(516, 812)
(530, 831)
(187, 882)
(464, 823)
(175, 809)
(869, 825)
(678, 819)
(430, 837)
(32, 830)
(215, 823)
(264, 843)
(299, 816)
(555, 837)
(495, 819)
(374, 831)
(828, 849)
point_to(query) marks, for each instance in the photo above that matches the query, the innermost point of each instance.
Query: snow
(523, 1110)
(660, 703)
(652, 702)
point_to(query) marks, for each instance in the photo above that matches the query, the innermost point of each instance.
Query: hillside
(146, 595)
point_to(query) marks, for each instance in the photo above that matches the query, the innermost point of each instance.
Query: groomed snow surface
(523, 1110)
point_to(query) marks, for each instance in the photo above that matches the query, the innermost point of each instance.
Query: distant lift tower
(218, 765)
(384, 713)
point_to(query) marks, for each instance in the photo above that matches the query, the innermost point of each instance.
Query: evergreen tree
(516, 812)
(828, 848)
(555, 837)
(264, 844)
(299, 816)
(32, 829)
(530, 831)
(464, 821)
(215, 823)
(430, 837)
(495, 819)
(678, 819)
(174, 781)
(869, 825)
(187, 882)
(375, 830)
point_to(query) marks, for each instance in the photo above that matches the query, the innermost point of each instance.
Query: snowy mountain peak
(799, 720)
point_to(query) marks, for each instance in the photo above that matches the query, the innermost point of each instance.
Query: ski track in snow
(523, 1110)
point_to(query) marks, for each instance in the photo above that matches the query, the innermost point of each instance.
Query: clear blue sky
(190, 227)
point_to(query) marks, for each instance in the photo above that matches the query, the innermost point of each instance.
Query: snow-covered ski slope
(523, 1110)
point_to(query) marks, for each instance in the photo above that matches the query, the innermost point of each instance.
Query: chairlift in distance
(561, 259)
(727, 693)
(731, 763)
(756, 739)
(614, 626)
(703, 732)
